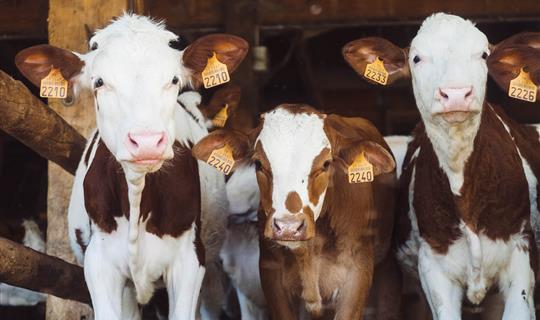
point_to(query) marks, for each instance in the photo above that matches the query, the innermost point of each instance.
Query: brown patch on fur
(295, 108)
(293, 203)
(319, 177)
(171, 196)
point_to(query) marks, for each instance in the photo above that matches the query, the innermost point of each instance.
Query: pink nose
(146, 145)
(289, 228)
(456, 98)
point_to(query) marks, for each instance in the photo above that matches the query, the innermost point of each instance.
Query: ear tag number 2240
(53, 85)
(360, 170)
(222, 159)
(215, 73)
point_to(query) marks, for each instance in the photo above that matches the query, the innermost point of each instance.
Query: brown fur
(293, 203)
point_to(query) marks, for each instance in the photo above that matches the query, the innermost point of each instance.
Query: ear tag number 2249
(215, 73)
(376, 72)
(360, 170)
(222, 159)
(53, 85)
(522, 87)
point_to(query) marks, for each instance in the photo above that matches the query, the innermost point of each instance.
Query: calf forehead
(444, 33)
(291, 141)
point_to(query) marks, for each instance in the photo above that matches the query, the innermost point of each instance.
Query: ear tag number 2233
(53, 85)
(376, 72)
(360, 170)
(215, 73)
(222, 159)
(522, 87)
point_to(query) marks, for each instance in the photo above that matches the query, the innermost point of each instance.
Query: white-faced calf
(321, 236)
(143, 212)
(468, 202)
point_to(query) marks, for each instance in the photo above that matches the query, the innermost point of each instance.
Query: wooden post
(68, 22)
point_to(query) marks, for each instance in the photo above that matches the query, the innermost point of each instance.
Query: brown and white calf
(468, 205)
(143, 211)
(321, 237)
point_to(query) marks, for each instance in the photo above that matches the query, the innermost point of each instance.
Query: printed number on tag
(360, 170)
(376, 72)
(53, 85)
(522, 87)
(215, 73)
(222, 159)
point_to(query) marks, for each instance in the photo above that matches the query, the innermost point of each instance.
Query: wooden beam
(68, 22)
(23, 267)
(32, 122)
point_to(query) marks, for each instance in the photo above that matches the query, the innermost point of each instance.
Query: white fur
(398, 145)
(240, 251)
(137, 66)
(291, 142)
(14, 296)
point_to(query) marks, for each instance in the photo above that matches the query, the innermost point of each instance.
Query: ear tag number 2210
(360, 170)
(222, 159)
(522, 87)
(376, 72)
(53, 85)
(215, 73)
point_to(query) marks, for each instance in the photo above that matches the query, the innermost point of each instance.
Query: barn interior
(295, 57)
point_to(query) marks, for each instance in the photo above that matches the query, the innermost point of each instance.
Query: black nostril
(444, 95)
(468, 94)
(133, 141)
(302, 226)
(161, 140)
(276, 226)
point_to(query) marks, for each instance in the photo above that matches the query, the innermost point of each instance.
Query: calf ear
(359, 53)
(229, 50)
(379, 157)
(36, 62)
(521, 51)
(238, 143)
(229, 95)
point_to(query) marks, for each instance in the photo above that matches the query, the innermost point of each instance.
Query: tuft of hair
(447, 23)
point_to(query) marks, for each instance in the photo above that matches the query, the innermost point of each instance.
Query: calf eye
(98, 83)
(258, 165)
(416, 59)
(484, 55)
(326, 165)
(94, 46)
(175, 80)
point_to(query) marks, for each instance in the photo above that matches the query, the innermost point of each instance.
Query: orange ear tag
(376, 72)
(215, 73)
(222, 159)
(53, 85)
(221, 117)
(360, 170)
(522, 87)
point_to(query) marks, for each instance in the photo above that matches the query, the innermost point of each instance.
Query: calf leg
(105, 283)
(213, 292)
(443, 294)
(277, 297)
(249, 310)
(387, 282)
(517, 286)
(183, 280)
(353, 296)
(130, 307)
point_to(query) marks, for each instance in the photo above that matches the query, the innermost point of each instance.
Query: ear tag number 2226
(53, 85)
(360, 170)
(376, 72)
(522, 87)
(215, 73)
(222, 159)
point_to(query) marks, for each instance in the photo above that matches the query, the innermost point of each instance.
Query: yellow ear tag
(376, 72)
(215, 73)
(522, 87)
(360, 170)
(221, 117)
(53, 85)
(222, 159)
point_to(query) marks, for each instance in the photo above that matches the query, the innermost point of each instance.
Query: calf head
(296, 151)
(135, 69)
(448, 61)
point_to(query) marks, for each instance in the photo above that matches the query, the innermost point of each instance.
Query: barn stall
(295, 57)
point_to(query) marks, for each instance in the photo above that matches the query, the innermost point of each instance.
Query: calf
(143, 212)
(320, 237)
(468, 203)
